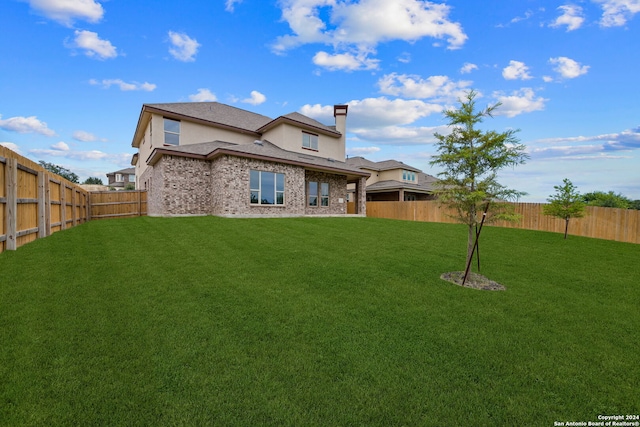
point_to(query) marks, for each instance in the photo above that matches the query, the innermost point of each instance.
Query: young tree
(93, 180)
(59, 170)
(471, 159)
(566, 203)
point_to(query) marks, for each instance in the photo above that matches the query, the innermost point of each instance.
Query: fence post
(42, 229)
(63, 205)
(74, 219)
(47, 202)
(11, 207)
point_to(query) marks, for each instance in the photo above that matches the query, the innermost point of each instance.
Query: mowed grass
(314, 321)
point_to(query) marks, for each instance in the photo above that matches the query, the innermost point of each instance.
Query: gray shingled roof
(361, 162)
(127, 171)
(426, 183)
(216, 112)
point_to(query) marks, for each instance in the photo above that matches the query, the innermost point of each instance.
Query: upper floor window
(267, 188)
(408, 176)
(310, 141)
(171, 132)
(132, 178)
(119, 177)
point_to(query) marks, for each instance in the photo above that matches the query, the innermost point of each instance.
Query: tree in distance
(566, 203)
(93, 180)
(59, 170)
(607, 200)
(470, 159)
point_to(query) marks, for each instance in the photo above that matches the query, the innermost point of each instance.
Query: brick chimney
(340, 113)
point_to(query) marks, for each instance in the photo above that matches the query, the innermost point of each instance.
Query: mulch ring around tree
(474, 281)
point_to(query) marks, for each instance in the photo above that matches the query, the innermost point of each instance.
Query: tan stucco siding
(195, 133)
(144, 151)
(289, 138)
(393, 174)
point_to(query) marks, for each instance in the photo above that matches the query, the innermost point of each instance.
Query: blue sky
(75, 73)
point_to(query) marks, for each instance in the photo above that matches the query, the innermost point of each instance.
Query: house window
(132, 178)
(408, 176)
(318, 191)
(309, 141)
(171, 132)
(119, 177)
(324, 194)
(267, 188)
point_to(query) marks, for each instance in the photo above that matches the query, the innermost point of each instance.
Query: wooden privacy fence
(117, 204)
(35, 203)
(603, 223)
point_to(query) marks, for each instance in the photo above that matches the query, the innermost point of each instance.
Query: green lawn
(314, 321)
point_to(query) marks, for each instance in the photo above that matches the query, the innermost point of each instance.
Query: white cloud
(361, 26)
(405, 58)
(568, 68)
(375, 112)
(83, 136)
(60, 146)
(29, 124)
(11, 146)
(119, 158)
(231, 4)
(468, 67)
(359, 151)
(401, 135)
(527, 15)
(516, 70)
(66, 11)
(203, 95)
(572, 17)
(373, 21)
(184, 47)
(626, 140)
(124, 86)
(439, 88)
(345, 61)
(93, 46)
(383, 120)
(519, 102)
(256, 98)
(616, 13)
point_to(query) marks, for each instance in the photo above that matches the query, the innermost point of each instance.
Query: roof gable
(300, 120)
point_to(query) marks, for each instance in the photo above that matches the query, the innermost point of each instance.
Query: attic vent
(257, 142)
(330, 159)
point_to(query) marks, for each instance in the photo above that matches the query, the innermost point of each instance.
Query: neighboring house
(391, 180)
(207, 158)
(120, 179)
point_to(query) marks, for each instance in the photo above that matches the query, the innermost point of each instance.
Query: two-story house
(122, 178)
(391, 180)
(207, 158)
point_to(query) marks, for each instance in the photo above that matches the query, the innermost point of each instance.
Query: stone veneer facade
(184, 186)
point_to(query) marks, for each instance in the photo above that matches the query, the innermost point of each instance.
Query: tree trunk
(470, 243)
(566, 228)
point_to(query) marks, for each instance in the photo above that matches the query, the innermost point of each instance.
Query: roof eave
(157, 153)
